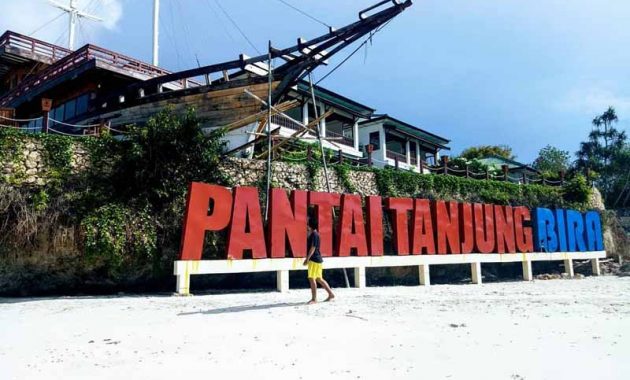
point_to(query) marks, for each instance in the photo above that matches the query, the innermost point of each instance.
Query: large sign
(420, 226)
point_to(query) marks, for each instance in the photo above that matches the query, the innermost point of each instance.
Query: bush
(116, 235)
(577, 190)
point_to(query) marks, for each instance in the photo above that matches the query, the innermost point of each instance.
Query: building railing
(339, 138)
(85, 54)
(286, 122)
(395, 155)
(45, 49)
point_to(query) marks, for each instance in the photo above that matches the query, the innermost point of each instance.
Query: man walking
(315, 264)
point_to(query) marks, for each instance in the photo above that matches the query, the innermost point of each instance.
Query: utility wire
(304, 13)
(236, 26)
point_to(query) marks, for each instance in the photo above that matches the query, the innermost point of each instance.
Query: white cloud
(35, 16)
(594, 101)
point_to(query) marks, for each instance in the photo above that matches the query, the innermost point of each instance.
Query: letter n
(287, 221)
(246, 231)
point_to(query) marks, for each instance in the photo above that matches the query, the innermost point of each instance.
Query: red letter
(422, 240)
(447, 224)
(484, 228)
(524, 239)
(401, 207)
(286, 222)
(466, 230)
(504, 225)
(352, 234)
(324, 203)
(246, 217)
(197, 221)
(375, 223)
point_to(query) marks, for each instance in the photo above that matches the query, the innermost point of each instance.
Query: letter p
(197, 220)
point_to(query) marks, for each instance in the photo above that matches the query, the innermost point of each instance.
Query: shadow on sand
(238, 309)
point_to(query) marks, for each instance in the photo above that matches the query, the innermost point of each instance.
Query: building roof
(336, 100)
(497, 161)
(410, 130)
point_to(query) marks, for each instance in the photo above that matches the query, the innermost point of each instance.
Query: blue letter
(561, 230)
(575, 229)
(594, 231)
(545, 239)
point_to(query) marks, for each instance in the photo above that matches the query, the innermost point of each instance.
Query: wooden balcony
(402, 158)
(64, 60)
(339, 138)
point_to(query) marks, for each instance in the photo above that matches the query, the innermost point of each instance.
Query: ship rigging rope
(74, 125)
(236, 26)
(304, 13)
(20, 120)
(47, 23)
(368, 39)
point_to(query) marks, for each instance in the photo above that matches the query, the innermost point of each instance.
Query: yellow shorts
(315, 270)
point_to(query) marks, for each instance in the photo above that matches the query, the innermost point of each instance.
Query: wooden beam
(257, 116)
(298, 134)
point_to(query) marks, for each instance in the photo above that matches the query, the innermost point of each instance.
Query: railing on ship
(85, 54)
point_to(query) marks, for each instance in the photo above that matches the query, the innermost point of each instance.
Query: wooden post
(421, 165)
(46, 107)
(487, 174)
(425, 277)
(396, 162)
(340, 153)
(309, 153)
(467, 171)
(370, 149)
(561, 174)
(445, 164)
(524, 178)
(505, 169)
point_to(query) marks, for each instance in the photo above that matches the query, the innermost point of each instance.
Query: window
(396, 144)
(341, 128)
(295, 113)
(412, 152)
(71, 109)
(375, 140)
(82, 104)
(57, 113)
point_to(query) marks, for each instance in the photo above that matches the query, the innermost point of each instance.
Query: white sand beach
(555, 329)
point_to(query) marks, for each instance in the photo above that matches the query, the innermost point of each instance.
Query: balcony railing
(85, 54)
(339, 138)
(40, 48)
(286, 122)
(395, 155)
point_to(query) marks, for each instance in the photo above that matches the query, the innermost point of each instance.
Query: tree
(483, 151)
(605, 154)
(551, 160)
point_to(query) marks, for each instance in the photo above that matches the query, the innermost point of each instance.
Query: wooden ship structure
(52, 89)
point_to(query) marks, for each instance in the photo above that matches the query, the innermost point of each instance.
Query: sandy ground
(557, 329)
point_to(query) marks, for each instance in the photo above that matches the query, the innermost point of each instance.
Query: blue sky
(515, 72)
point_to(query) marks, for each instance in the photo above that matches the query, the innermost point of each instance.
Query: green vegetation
(119, 217)
(483, 151)
(606, 154)
(551, 160)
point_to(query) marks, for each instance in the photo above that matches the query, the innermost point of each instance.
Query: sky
(525, 73)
